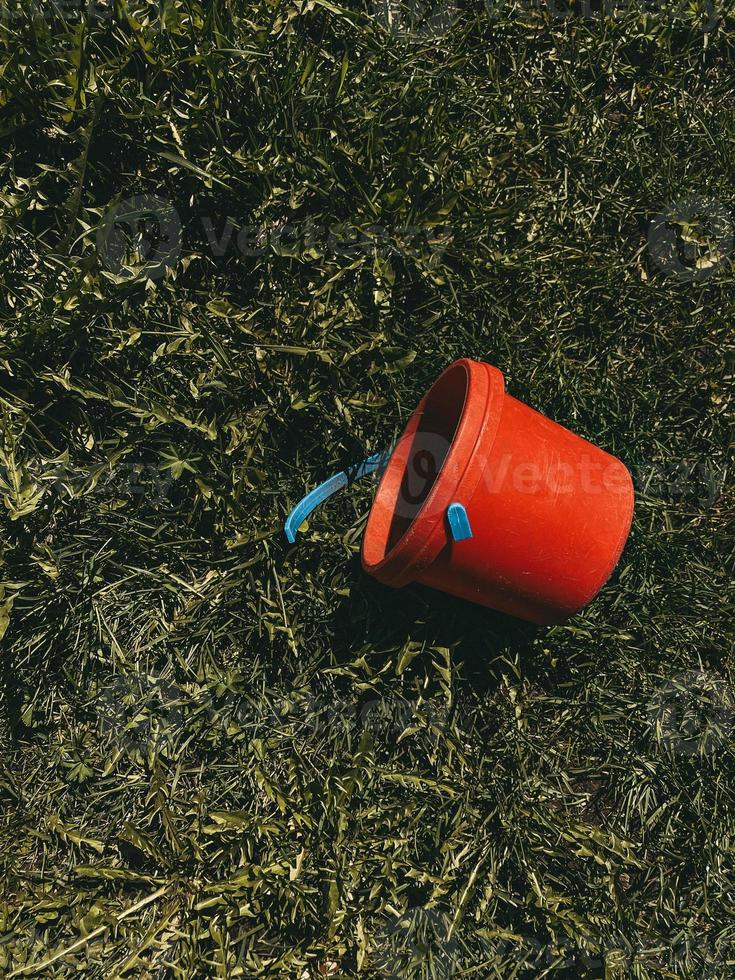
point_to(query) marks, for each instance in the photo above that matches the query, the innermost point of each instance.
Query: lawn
(238, 242)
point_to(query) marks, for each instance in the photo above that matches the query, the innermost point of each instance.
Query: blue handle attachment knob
(459, 523)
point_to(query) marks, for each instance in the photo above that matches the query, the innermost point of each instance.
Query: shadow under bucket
(489, 500)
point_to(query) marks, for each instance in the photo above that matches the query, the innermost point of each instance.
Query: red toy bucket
(487, 499)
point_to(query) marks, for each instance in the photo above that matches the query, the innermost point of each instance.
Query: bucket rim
(460, 472)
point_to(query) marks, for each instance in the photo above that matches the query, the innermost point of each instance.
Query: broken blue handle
(459, 523)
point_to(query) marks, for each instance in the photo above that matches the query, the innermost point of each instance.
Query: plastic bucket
(548, 512)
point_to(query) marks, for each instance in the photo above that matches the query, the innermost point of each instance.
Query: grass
(223, 756)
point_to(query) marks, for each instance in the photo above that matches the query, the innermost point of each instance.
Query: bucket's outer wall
(550, 517)
(549, 522)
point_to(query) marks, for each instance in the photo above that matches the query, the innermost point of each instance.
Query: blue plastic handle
(459, 523)
(325, 490)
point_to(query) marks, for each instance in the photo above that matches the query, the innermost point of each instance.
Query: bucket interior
(416, 463)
